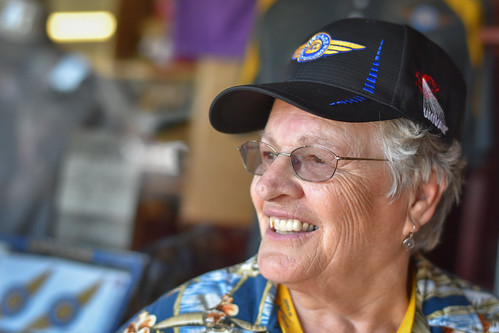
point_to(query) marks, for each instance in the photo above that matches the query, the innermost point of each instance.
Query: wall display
(46, 287)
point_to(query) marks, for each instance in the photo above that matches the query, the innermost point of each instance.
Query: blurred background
(113, 186)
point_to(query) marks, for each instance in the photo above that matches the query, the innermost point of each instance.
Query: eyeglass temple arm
(339, 158)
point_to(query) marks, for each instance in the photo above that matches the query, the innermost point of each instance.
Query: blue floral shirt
(240, 299)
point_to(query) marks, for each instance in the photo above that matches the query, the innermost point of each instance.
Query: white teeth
(296, 225)
(282, 225)
(291, 225)
(271, 222)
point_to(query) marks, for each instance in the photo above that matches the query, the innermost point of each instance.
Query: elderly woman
(356, 168)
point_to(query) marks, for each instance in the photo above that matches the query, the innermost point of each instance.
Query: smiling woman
(352, 213)
(372, 134)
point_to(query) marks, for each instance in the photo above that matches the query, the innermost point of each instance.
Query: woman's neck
(358, 304)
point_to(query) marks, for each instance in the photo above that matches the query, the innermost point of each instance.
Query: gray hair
(413, 152)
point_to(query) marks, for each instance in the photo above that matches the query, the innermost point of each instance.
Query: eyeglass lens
(309, 163)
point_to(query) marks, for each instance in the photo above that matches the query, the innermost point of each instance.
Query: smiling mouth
(288, 226)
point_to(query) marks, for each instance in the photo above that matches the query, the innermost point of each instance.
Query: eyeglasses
(310, 163)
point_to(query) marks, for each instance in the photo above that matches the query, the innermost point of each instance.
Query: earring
(408, 243)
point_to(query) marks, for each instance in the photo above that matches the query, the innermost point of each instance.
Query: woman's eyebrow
(266, 137)
(315, 140)
(304, 140)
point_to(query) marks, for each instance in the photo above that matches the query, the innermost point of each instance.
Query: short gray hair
(412, 152)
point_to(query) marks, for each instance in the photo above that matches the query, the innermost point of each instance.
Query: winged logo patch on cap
(322, 44)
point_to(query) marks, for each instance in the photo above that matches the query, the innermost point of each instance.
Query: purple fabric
(212, 27)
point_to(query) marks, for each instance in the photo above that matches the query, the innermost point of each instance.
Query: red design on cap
(434, 87)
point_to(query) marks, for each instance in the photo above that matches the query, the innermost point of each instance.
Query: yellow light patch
(81, 26)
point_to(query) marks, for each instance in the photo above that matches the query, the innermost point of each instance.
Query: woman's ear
(424, 202)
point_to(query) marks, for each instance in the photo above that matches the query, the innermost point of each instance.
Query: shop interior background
(113, 186)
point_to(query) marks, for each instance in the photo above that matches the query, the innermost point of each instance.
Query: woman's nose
(278, 180)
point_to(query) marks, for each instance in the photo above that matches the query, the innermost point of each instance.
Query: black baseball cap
(356, 70)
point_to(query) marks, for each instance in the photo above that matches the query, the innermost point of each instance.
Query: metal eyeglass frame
(336, 158)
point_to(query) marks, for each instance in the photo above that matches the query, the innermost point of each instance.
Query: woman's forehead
(306, 128)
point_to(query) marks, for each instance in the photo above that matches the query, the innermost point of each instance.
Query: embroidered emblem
(64, 310)
(370, 83)
(322, 45)
(17, 298)
(431, 108)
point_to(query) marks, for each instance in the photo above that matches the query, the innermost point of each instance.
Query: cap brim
(246, 108)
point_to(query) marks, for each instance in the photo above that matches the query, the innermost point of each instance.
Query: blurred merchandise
(38, 113)
(98, 188)
(216, 28)
(53, 103)
(156, 42)
(101, 183)
(55, 287)
(21, 20)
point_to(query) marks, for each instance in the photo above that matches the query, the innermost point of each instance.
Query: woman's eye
(268, 155)
(315, 159)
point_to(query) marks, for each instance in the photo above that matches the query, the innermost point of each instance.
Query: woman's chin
(277, 268)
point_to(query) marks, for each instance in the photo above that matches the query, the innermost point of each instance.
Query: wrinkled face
(347, 224)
